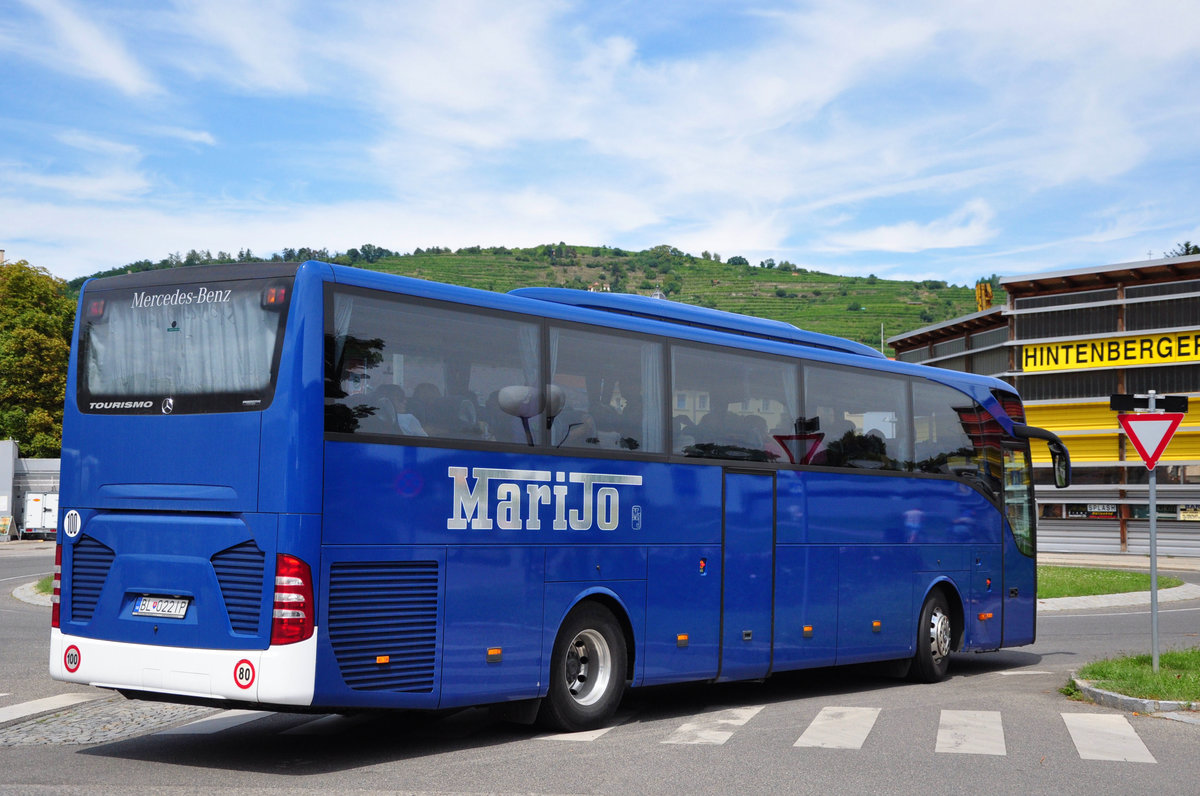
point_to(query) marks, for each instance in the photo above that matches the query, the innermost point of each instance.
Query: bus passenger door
(1020, 560)
(748, 575)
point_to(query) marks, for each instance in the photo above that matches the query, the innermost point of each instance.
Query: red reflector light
(294, 613)
(56, 596)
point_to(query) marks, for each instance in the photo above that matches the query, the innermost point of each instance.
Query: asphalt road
(997, 725)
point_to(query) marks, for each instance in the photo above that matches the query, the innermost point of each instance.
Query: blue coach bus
(311, 487)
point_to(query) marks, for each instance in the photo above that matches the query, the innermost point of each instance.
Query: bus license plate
(169, 607)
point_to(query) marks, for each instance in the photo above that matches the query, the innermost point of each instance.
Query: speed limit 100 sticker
(243, 673)
(72, 659)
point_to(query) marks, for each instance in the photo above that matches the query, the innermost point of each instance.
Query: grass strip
(1177, 679)
(1082, 582)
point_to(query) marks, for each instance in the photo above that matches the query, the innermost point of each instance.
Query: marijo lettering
(1111, 352)
(200, 295)
(577, 501)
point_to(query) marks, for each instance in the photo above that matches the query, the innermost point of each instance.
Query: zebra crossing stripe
(713, 728)
(327, 725)
(589, 735)
(218, 723)
(45, 705)
(1101, 736)
(839, 728)
(586, 735)
(971, 732)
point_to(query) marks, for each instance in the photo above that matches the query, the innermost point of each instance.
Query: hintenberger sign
(1112, 352)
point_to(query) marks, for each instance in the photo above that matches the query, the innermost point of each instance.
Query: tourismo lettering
(201, 295)
(1118, 352)
(99, 405)
(579, 501)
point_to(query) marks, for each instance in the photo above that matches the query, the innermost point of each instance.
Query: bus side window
(941, 443)
(733, 406)
(955, 436)
(612, 386)
(862, 417)
(400, 367)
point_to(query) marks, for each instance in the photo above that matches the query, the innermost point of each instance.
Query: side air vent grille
(240, 572)
(383, 624)
(90, 562)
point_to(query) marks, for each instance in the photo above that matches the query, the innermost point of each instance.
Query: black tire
(935, 639)
(587, 671)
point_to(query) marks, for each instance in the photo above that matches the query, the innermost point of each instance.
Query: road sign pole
(1153, 558)
(1150, 434)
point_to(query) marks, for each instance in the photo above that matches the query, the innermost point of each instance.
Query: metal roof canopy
(982, 321)
(1140, 272)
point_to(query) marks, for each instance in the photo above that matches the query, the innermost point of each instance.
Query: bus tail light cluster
(56, 596)
(294, 615)
(274, 297)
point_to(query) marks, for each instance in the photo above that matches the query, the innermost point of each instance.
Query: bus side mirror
(1058, 451)
(1062, 464)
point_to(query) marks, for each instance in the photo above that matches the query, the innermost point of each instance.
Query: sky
(926, 140)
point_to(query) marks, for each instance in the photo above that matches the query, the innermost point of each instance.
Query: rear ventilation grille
(90, 562)
(383, 624)
(240, 572)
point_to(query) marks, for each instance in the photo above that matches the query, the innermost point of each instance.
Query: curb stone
(28, 593)
(1150, 707)
(1187, 591)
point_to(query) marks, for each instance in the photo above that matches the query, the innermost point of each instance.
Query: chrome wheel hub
(588, 667)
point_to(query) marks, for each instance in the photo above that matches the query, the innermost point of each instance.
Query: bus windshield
(191, 348)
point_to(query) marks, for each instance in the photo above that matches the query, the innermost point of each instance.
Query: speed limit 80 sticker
(243, 674)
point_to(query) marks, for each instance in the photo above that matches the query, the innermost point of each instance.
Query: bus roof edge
(690, 315)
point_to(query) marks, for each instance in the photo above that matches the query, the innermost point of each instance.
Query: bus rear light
(294, 615)
(56, 595)
(95, 309)
(274, 297)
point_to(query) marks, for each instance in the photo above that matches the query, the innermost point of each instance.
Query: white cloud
(184, 134)
(845, 135)
(86, 142)
(104, 185)
(74, 43)
(85, 237)
(108, 171)
(970, 225)
(255, 46)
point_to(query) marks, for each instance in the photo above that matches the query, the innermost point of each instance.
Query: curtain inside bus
(207, 347)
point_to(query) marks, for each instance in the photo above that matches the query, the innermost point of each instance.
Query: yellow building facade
(1068, 341)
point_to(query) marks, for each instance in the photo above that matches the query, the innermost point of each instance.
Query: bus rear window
(181, 349)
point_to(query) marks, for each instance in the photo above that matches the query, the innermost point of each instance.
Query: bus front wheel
(935, 637)
(587, 671)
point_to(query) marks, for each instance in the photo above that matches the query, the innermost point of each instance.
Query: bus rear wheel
(935, 638)
(587, 671)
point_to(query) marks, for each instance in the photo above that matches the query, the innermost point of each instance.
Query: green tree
(36, 320)
(1184, 249)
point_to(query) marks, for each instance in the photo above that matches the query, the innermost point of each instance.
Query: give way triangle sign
(1150, 433)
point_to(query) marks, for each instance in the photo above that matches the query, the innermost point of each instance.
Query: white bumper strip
(282, 675)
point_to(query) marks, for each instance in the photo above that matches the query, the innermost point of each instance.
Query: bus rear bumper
(280, 675)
